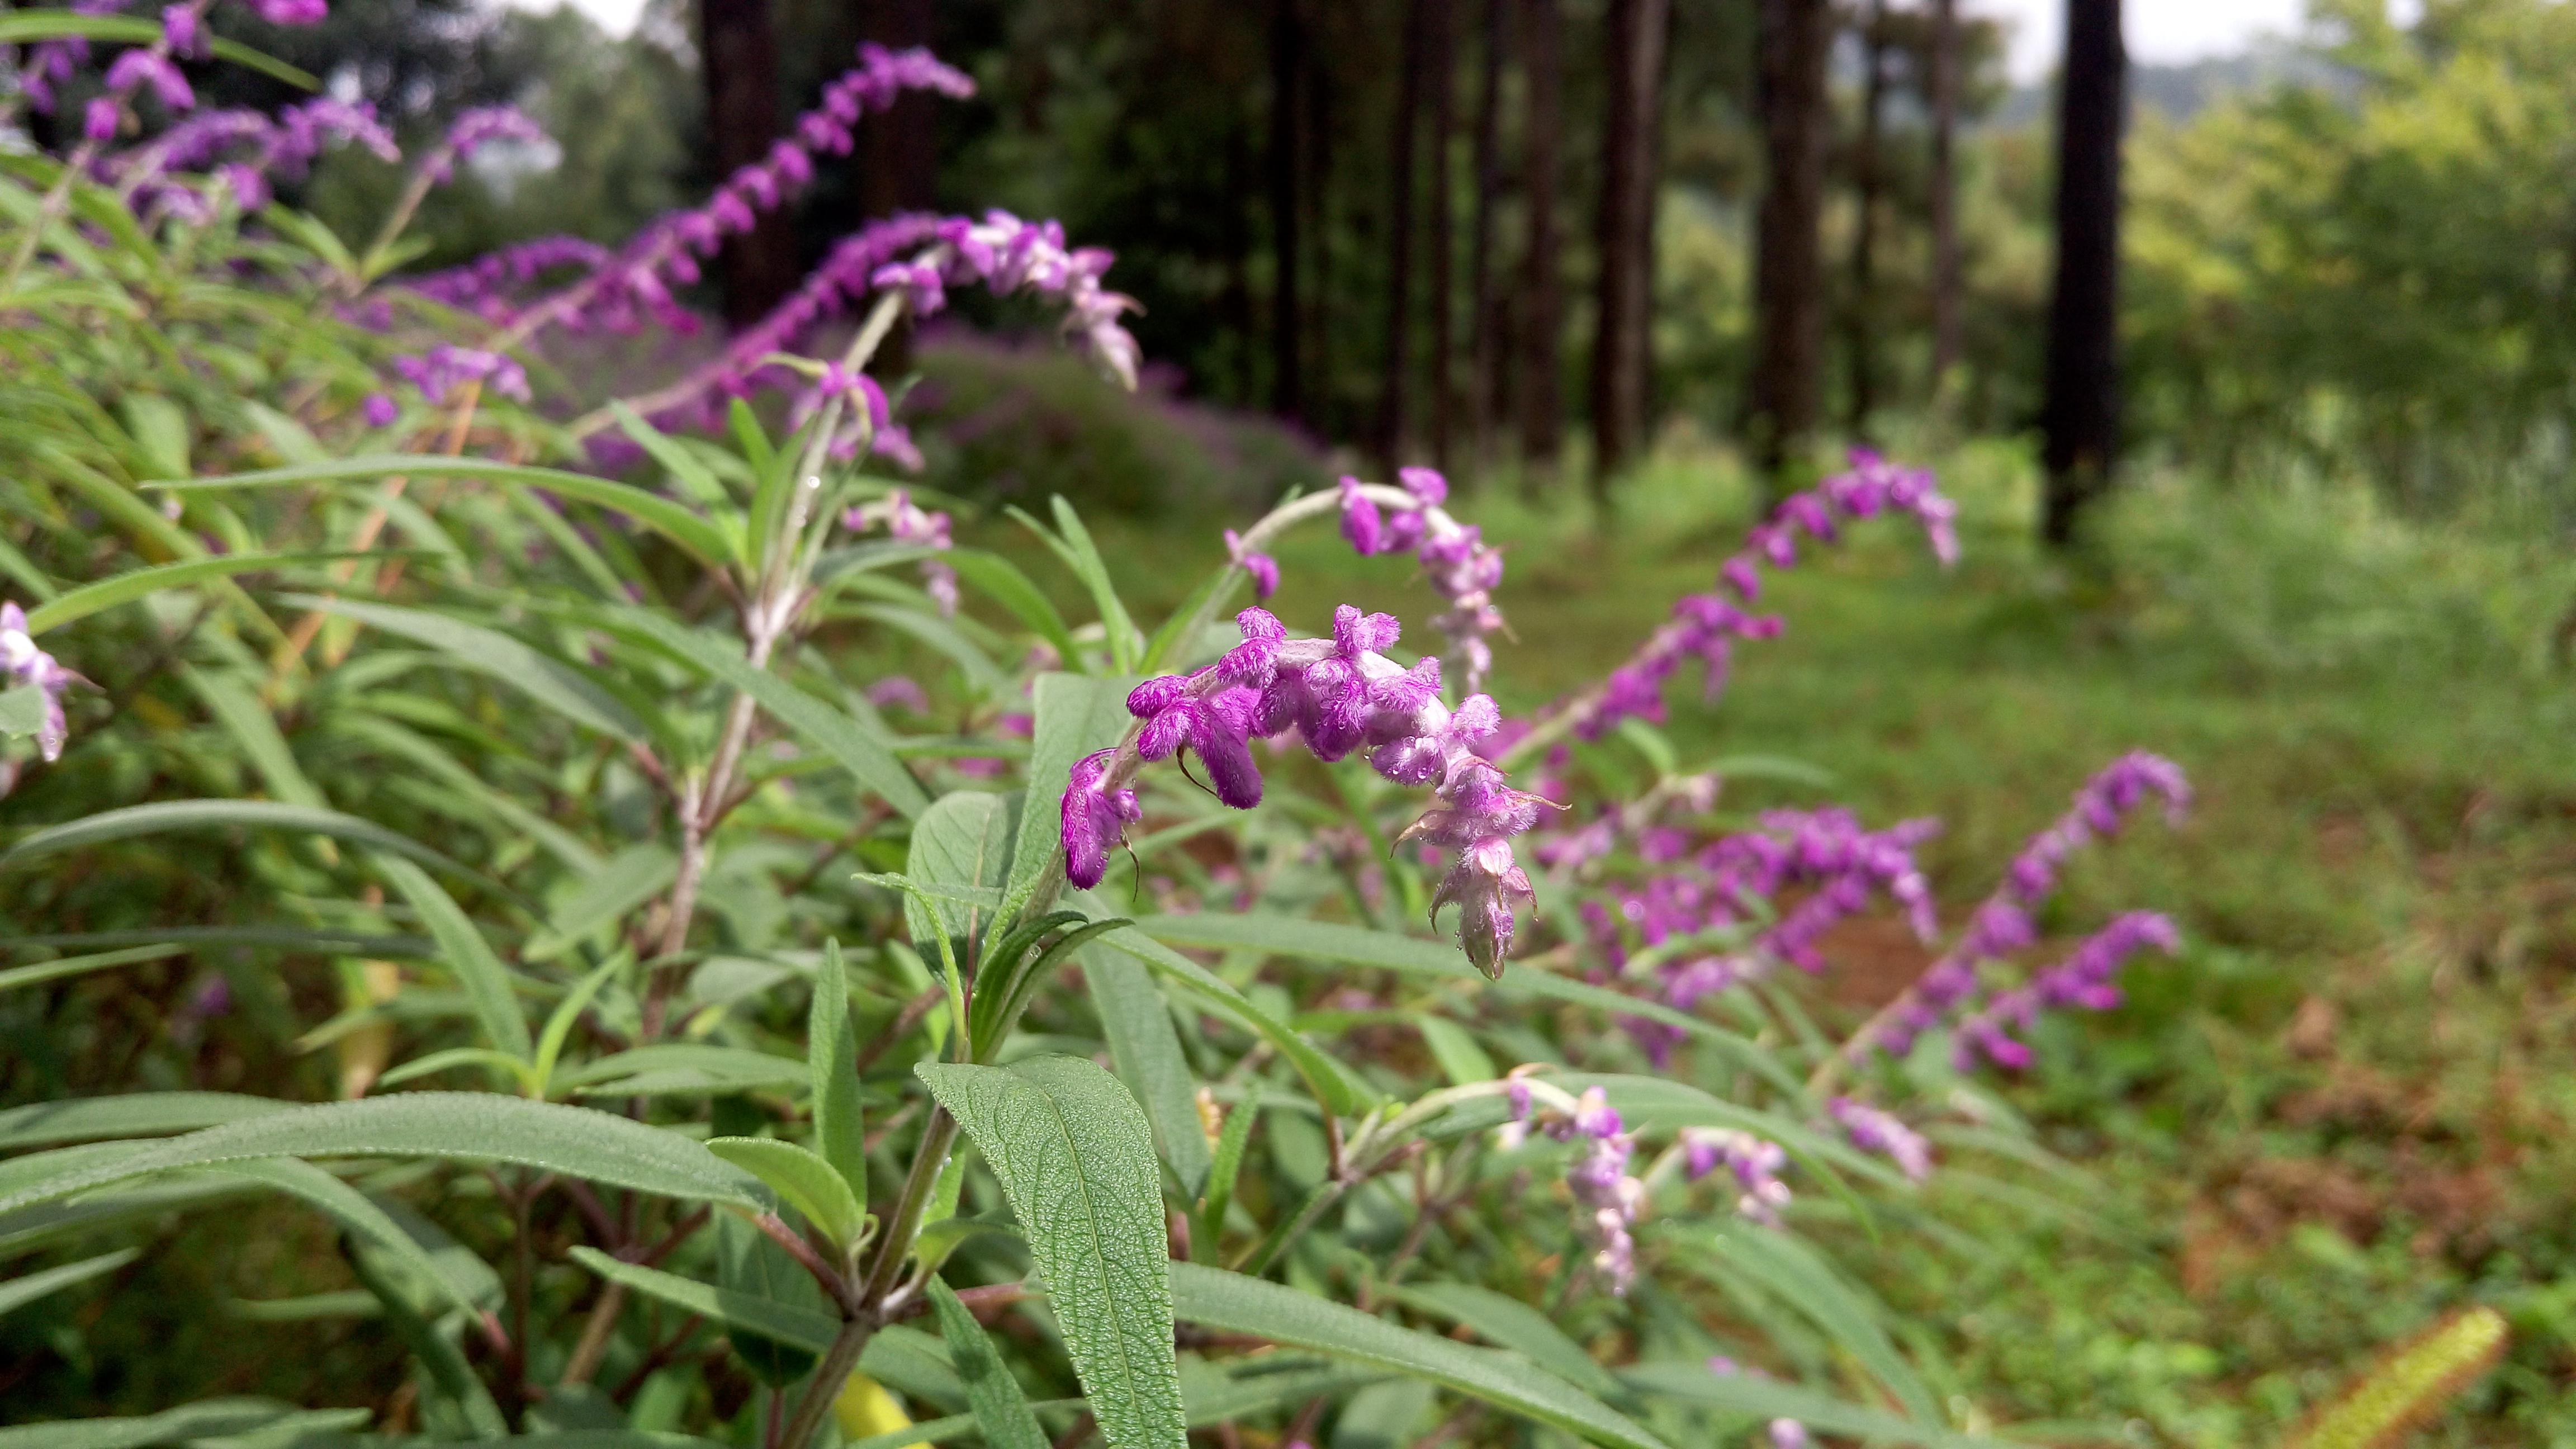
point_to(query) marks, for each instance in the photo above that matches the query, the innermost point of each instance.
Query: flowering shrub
(776, 1030)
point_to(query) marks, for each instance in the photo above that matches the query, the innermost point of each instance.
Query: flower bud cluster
(480, 286)
(1607, 1198)
(447, 367)
(1872, 1130)
(1754, 1163)
(23, 664)
(2005, 922)
(1006, 255)
(245, 149)
(2084, 981)
(1338, 695)
(1706, 626)
(1454, 556)
(908, 522)
(477, 128)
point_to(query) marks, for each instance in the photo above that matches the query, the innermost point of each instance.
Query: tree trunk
(1945, 193)
(1793, 38)
(739, 61)
(1542, 319)
(1235, 239)
(1322, 399)
(902, 147)
(1860, 322)
(1440, 61)
(1395, 420)
(1287, 80)
(1485, 321)
(2080, 417)
(1624, 288)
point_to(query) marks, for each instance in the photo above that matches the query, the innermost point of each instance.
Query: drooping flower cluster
(1454, 557)
(1607, 1198)
(1872, 1130)
(1007, 255)
(2085, 980)
(1754, 1163)
(908, 522)
(1706, 626)
(439, 372)
(23, 665)
(183, 34)
(481, 286)
(2005, 922)
(476, 128)
(244, 149)
(1338, 695)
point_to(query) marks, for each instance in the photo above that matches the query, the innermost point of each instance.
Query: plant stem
(829, 1376)
(895, 1244)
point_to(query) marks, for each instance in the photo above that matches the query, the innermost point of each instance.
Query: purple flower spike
(182, 29)
(292, 12)
(1095, 816)
(1872, 1130)
(99, 119)
(1361, 523)
(379, 410)
(137, 68)
(23, 664)
(1263, 568)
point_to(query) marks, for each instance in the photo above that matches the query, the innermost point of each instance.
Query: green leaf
(749, 1262)
(1413, 956)
(468, 956)
(623, 882)
(700, 538)
(831, 1055)
(962, 841)
(1341, 1093)
(166, 815)
(237, 708)
(1798, 1277)
(1455, 1049)
(1000, 1408)
(858, 749)
(20, 26)
(982, 674)
(458, 1391)
(542, 677)
(1074, 717)
(802, 1328)
(136, 1114)
(213, 1418)
(22, 711)
(1233, 1303)
(808, 1183)
(45, 971)
(1076, 1160)
(691, 471)
(681, 1067)
(352, 1210)
(1147, 1054)
(1002, 580)
(567, 1013)
(124, 588)
(1126, 645)
(18, 1292)
(1240, 1388)
(1514, 1325)
(472, 1126)
(1222, 1171)
(1770, 1399)
(1180, 630)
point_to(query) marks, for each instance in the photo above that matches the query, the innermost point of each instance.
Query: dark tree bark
(1235, 239)
(1542, 316)
(1395, 416)
(739, 60)
(1624, 288)
(902, 143)
(1485, 320)
(1861, 325)
(1945, 192)
(1793, 37)
(2080, 416)
(1440, 64)
(1322, 402)
(1287, 84)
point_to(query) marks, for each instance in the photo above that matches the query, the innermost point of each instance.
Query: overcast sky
(2159, 30)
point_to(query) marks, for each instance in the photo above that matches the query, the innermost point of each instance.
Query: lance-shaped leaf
(1076, 1159)
(994, 1396)
(45, 971)
(136, 1114)
(555, 683)
(168, 815)
(124, 588)
(1214, 1298)
(471, 1126)
(20, 1291)
(808, 1183)
(1514, 1325)
(1147, 1053)
(961, 844)
(211, 1419)
(1764, 1398)
(20, 26)
(832, 1056)
(701, 538)
(835, 732)
(471, 958)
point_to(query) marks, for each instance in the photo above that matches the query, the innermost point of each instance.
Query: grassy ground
(2346, 1108)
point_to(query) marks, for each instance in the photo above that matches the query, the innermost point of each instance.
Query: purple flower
(136, 68)
(181, 29)
(1754, 1163)
(100, 118)
(292, 12)
(1788, 1434)
(379, 410)
(1263, 568)
(899, 689)
(1872, 1130)
(478, 127)
(22, 664)
(1095, 814)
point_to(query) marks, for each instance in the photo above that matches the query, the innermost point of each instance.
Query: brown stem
(595, 1330)
(904, 1021)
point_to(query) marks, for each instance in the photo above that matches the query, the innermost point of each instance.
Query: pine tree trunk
(1485, 321)
(1440, 63)
(1542, 318)
(1861, 325)
(1946, 331)
(1235, 240)
(1323, 398)
(1395, 416)
(1624, 288)
(739, 63)
(1287, 81)
(1794, 38)
(2080, 416)
(902, 143)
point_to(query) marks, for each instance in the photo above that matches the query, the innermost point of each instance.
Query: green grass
(2347, 1107)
